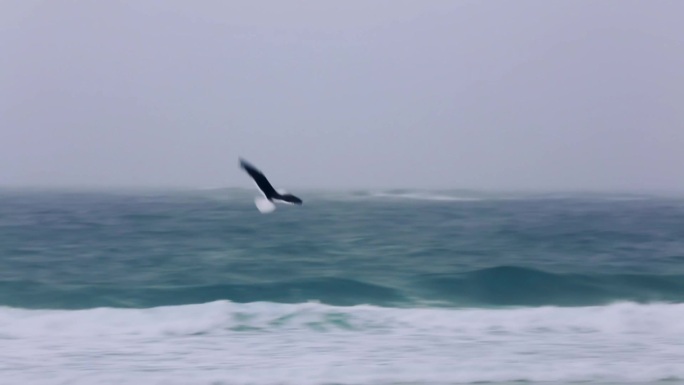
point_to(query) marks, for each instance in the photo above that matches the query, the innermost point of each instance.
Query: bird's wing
(259, 178)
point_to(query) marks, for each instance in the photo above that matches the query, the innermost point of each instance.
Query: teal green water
(393, 287)
(80, 250)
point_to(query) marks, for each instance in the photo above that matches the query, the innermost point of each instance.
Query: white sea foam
(266, 343)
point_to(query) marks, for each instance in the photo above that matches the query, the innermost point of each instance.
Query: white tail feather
(264, 205)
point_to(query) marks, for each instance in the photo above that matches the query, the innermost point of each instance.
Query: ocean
(352, 288)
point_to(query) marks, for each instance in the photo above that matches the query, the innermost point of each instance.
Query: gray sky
(544, 94)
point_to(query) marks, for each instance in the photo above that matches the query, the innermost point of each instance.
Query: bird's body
(270, 194)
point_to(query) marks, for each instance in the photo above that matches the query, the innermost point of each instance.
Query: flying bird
(266, 203)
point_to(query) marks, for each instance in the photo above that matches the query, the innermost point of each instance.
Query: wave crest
(497, 286)
(518, 286)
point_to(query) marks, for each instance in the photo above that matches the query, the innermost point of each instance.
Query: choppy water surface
(351, 288)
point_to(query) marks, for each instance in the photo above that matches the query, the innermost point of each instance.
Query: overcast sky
(547, 94)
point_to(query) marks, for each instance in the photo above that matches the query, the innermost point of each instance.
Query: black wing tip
(292, 199)
(245, 164)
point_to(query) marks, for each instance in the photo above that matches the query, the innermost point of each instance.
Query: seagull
(266, 203)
